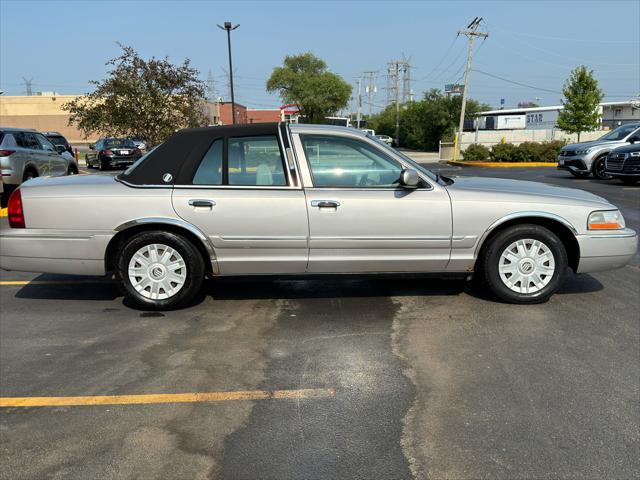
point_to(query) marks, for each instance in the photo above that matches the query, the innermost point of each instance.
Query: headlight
(585, 151)
(606, 220)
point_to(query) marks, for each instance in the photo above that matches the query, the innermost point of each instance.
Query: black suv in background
(58, 140)
(112, 152)
(624, 163)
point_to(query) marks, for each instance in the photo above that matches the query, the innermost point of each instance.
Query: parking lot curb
(502, 164)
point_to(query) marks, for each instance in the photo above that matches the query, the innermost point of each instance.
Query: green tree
(581, 99)
(304, 80)
(425, 122)
(147, 99)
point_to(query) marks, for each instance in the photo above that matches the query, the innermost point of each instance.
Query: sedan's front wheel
(159, 270)
(599, 165)
(524, 264)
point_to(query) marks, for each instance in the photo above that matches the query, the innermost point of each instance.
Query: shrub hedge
(508, 152)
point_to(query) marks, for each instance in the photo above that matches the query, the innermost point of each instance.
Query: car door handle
(201, 203)
(325, 203)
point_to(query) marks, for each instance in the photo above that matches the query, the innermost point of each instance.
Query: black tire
(489, 259)
(630, 181)
(101, 166)
(194, 269)
(72, 169)
(579, 174)
(598, 168)
(28, 174)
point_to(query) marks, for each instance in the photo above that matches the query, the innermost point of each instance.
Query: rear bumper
(606, 251)
(54, 251)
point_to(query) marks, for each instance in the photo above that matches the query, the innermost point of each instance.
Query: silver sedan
(281, 199)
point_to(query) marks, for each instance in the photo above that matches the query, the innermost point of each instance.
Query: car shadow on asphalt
(67, 287)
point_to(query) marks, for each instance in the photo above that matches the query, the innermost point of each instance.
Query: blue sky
(64, 44)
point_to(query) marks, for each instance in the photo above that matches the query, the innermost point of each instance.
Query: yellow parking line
(51, 282)
(9, 402)
(3, 212)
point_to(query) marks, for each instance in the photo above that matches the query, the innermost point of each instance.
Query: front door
(243, 199)
(361, 220)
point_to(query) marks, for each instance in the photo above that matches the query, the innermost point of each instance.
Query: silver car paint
(600, 148)
(263, 230)
(45, 163)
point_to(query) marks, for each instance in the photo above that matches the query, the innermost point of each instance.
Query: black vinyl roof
(182, 152)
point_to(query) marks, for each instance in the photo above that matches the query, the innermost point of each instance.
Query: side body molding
(515, 215)
(206, 243)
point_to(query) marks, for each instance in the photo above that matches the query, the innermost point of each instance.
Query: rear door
(243, 197)
(360, 219)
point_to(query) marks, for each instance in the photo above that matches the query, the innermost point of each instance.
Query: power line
(566, 39)
(515, 82)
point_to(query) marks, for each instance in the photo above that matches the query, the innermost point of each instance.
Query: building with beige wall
(44, 113)
(41, 112)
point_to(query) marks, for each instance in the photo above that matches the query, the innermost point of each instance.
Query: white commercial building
(612, 114)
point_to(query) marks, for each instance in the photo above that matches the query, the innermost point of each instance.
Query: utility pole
(471, 33)
(28, 86)
(395, 67)
(359, 103)
(228, 27)
(370, 89)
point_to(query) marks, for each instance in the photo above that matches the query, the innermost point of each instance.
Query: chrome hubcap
(526, 266)
(157, 271)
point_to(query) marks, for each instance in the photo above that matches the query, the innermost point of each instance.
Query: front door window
(341, 162)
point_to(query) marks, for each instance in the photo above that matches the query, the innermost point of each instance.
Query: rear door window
(256, 161)
(210, 170)
(31, 142)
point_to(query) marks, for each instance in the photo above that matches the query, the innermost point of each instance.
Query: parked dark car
(59, 141)
(624, 163)
(112, 152)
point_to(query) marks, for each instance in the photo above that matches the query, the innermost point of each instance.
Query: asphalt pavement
(327, 378)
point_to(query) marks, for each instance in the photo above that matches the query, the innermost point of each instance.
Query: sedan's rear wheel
(159, 270)
(524, 264)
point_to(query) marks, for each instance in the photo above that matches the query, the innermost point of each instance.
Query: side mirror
(634, 139)
(409, 178)
(60, 149)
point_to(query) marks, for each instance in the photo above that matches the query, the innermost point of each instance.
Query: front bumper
(54, 251)
(606, 251)
(575, 163)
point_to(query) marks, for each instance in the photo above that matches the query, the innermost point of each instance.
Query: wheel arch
(558, 225)
(189, 231)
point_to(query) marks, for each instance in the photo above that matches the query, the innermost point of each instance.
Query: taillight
(107, 152)
(15, 213)
(6, 153)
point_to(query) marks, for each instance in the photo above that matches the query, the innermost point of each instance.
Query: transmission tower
(211, 87)
(407, 93)
(28, 86)
(370, 88)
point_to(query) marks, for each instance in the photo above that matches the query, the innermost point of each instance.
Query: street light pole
(228, 28)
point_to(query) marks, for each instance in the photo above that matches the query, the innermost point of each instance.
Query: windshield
(119, 142)
(413, 163)
(619, 133)
(139, 161)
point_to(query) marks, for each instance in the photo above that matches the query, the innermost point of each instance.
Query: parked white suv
(581, 159)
